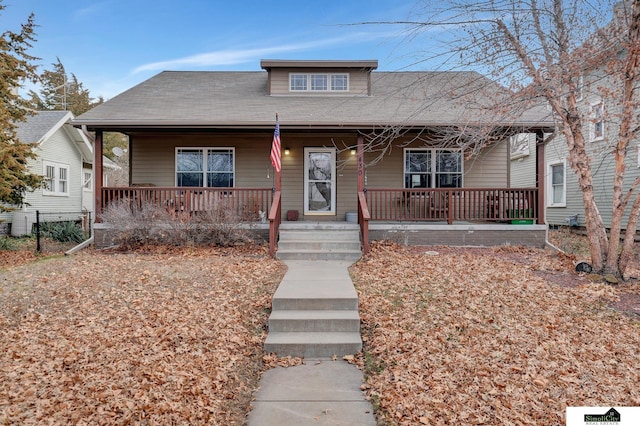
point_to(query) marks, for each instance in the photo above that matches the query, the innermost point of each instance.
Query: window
(432, 168)
(340, 82)
(319, 82)
(579, 88)
(519, 145)
(205, 167)
(597, 121)
(56, 179)
(87, 183)
(557, 186)
(298, 82)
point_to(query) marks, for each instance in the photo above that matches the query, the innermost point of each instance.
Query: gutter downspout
(79, 246)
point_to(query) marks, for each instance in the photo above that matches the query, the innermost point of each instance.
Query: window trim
(592, 121)
(57, 167)
(549, 188)
(204, 150)
(309, 78)
(433, 172)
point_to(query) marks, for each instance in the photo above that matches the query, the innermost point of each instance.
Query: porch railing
(453, 204)
(249, 204)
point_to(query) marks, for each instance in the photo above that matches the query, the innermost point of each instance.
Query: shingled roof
(214, 99)
(37, 126)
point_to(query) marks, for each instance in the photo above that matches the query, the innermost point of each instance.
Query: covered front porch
(461, 215)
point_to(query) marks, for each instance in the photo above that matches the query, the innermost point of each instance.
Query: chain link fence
(61, 231)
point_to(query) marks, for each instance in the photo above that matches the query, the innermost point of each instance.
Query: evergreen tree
(60, 91)
(15, 68)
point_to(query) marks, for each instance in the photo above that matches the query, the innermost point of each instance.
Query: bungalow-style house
(64, 158)
(356, 145)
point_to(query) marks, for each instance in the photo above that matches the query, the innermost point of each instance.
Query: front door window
(320, 170)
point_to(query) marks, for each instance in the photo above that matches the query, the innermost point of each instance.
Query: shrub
(64, 232)
(7, 243)
(136, 226)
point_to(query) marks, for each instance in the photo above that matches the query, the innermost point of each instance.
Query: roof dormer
(319, 78)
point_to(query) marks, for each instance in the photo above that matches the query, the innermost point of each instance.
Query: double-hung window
(432, 168)
(56, 179)
(205, 167)
(557, 184)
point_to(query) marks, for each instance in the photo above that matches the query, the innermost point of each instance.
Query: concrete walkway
(319, 392)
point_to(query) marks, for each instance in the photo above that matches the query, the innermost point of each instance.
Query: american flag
(275, 148)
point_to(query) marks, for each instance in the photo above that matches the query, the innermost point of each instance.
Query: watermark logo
(610, 417)
(600, 416)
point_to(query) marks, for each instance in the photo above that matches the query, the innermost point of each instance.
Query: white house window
(432, 168)
(318, 82)
(56, 179)
(298, 82)
(519, 145)
(557, 185)
(340, 82)
(87, 183)
(205, 167)
(597, 121)
(579, 88)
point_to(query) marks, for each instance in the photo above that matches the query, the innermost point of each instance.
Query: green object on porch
(523, 214)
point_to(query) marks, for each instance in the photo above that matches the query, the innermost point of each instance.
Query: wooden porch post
(97, 175)
(360, 155)
(540, 172)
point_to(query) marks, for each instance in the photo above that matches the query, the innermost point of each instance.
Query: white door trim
(319, 181)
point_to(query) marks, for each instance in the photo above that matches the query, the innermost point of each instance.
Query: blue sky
(111, 45)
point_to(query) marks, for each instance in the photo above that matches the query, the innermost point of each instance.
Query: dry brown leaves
(170, 336)
(478, 338)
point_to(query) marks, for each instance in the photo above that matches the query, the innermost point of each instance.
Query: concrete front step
(314, 304)
(319, 241)
(326, 245)
(314, 321)
(298, 254)
(313, 344)
(319, 235)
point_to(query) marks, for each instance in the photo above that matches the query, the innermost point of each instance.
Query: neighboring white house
(64, 158)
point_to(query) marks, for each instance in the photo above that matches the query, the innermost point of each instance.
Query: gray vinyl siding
(603, 170)
(358, 81)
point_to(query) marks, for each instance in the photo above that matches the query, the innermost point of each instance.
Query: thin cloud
(232, 57)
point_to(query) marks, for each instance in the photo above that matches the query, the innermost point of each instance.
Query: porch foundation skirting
(486, 235)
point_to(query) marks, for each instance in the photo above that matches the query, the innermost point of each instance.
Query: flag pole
(279, 172)
(276, 156)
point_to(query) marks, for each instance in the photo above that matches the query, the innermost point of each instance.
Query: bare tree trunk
(629, 105)
(596, 231)
(629, 237)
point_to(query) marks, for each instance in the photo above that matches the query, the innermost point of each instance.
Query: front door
(320, 181)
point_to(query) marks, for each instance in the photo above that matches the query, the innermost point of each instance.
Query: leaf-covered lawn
(482, 337)
(142, 338)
